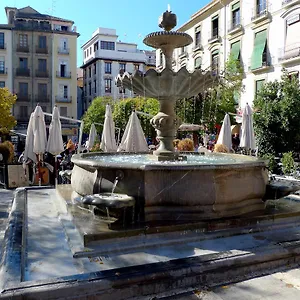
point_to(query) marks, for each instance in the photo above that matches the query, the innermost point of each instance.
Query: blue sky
(133, 19)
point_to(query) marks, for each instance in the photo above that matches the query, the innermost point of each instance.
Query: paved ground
(279, 286)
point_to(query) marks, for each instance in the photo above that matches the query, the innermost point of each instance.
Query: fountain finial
(167, 20)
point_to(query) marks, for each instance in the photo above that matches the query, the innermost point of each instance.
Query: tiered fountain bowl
(165, 186)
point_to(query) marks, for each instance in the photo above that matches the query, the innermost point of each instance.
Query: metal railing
(261, 10)
(235, 24)
(22, 48)
(62, 50)
(3, 71)
(23, 97)
(65, 74)
(214, 35)
(22, 118)
(39, 98)
(41, 50)
(285, 2)
(266, 62)
(63, 99)
(287, 53)
(41, 73)
(23, 72)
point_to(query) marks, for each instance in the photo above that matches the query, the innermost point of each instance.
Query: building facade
(104, 57)
(263, 34)
(40, 60)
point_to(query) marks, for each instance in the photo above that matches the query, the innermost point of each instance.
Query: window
(63, 111)
(23, 63)
(23, 112)
(23, 88)
(215, 61)
(42, 65)
(90, 71)
(292, 37)
(42, 89)
(64, 43)
(90, 88)
(2, 65)
(122, 67)
(259, 54)
(84, 54)
(95, 86)
(215, 27)
(2, 84)
(258, 85)
(236, 15)
(96, 46)
(235, 50)
(107, 83)
(161, 58)
(198, 62)
(198, 36)
(23, 40)
(107, 66)
(261, 6)
(65, 88)
(107, 45)
(95, 68)
(2, 40)
(42, 42)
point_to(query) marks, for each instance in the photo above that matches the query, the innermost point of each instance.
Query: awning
(235, 50)
(259, 47)
(235, 6)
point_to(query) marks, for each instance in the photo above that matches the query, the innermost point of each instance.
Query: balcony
(42, 73)
(61, 50)
(25, 72)
(290, 55)
(2, 47)
(23, 97)
(183, 55)
(40, 50)
(63, 99)
(235, 26)
(22, 118)
(40, 98)
(261, 13)
(63, 74)
(214, 36)
(3, 71)
(289, 3)
(23, 48)
(197, 48)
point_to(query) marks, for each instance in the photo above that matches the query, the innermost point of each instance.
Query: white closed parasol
(108, 139)
(225, 137)
(92, 137)
(247, 139)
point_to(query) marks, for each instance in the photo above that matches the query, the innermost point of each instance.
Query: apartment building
(263, 34)
(104, 57)
(39, 57)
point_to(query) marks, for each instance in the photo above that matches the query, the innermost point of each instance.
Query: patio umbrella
(225, 133)
(80, 147)
(247, 138)
(92, 137)
(55, 144)
(28, 152)
(108, 139)
(133, 139)
(39, 135)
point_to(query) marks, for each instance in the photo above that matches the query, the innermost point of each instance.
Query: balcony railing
(214, 36)
(22, 118)
(42, 73)
(266, 63)
(61, 50)
(38, 49)
(42, 98)
(63, 99)
(23, 72)
(63, 74)
(289, 53)
(3, 71)
(22, 48)
(235, 25)
(2, 46)
(261, 12)
(23, 97)
(198, 47)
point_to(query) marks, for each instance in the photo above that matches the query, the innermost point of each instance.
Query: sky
(132, 19)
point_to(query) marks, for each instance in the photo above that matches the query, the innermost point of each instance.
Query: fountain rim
(83, 160)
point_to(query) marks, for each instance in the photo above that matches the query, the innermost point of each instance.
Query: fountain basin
(203, 187)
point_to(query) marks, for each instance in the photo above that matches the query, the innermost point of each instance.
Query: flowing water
(114, 186)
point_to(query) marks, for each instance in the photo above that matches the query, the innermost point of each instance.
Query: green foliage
(288, 164)
(7, 100)
(124, 108)
(277, 117)
(96, 113)
(210, 108)
(272, 164)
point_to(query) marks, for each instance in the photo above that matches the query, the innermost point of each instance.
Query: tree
(277, 117)
(7, 100)
(123, 109)
(209, 108)
(96, 113)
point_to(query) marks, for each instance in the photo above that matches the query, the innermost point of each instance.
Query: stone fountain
(165, 185)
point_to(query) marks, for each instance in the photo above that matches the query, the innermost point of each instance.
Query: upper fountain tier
(167, 83)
